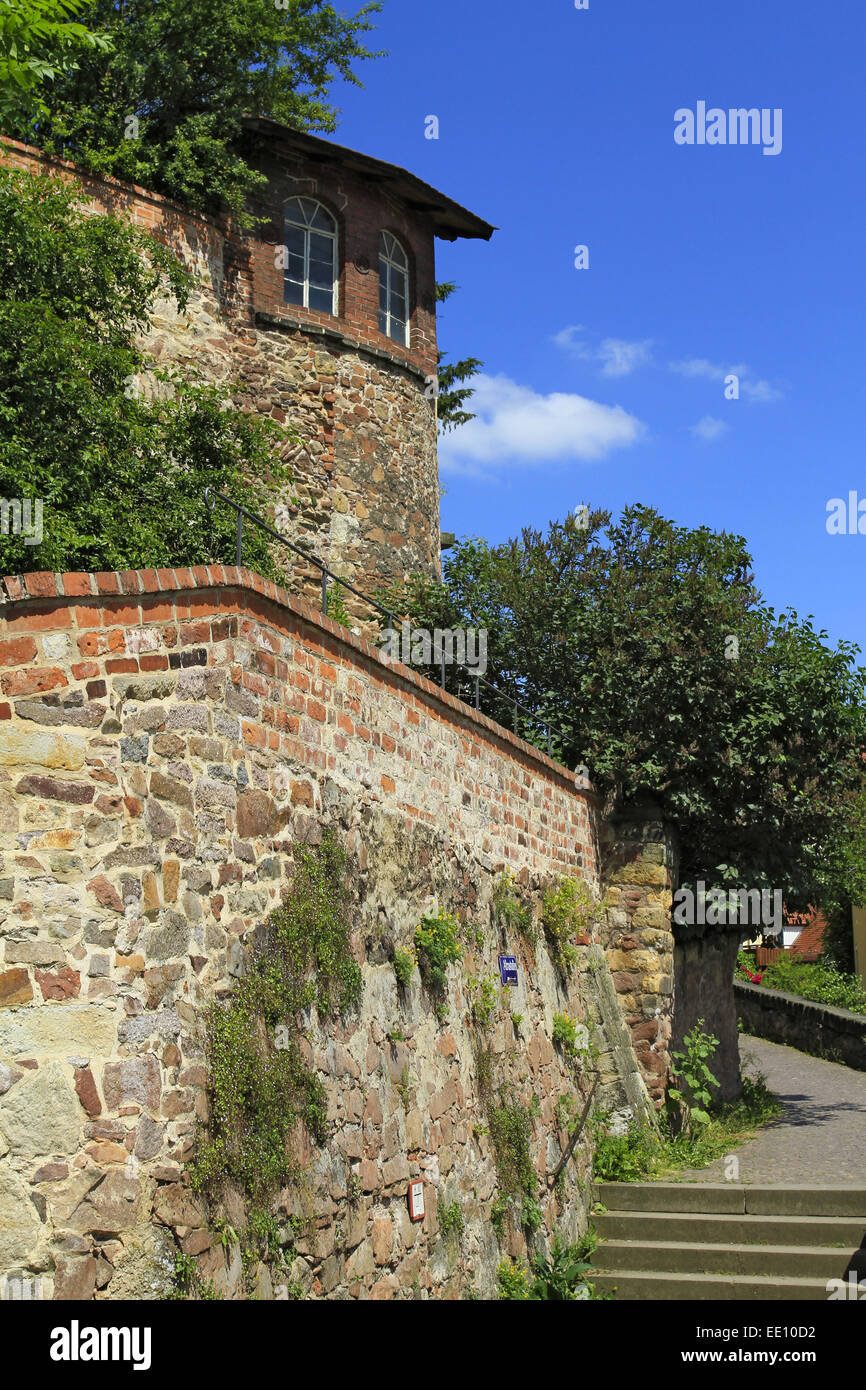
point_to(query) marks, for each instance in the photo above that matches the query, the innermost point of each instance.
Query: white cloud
(755, 389)
(617, 356)
(709, 429)
(516, 425)
(620, 357)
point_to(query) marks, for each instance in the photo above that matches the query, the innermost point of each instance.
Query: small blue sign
(508, 970)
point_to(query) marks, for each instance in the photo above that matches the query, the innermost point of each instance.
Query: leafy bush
(818, 981)
(559, 1275)
(121, 478)
(627, 1157)
(744, 968)
(644, 1152)
(556, 1277)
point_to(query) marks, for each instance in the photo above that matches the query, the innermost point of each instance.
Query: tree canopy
(452, 396)
(120, 475)
(38, 40)
(163, 105)
(649, 649)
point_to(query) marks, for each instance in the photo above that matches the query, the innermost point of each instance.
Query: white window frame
(306, 227)
(387, 241)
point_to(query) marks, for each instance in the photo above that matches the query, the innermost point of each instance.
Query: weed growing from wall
(557, 1277)
(512, 914)
(259, 1090)
(567, 913)
(483, 999)
(437, 943)
(451, 1221)
(565, 1034)
(404, 967)
(510, 1133)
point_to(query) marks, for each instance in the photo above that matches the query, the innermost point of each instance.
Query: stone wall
(836, 1034)
(640, 865)
(362, 413)
(167, 740)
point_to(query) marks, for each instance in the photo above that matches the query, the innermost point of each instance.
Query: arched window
(310, 279)
(393, 289)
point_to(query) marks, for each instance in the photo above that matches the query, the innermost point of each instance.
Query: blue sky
(607, 385)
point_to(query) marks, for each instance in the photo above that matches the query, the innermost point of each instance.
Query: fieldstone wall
(167, 740)
(640, 867)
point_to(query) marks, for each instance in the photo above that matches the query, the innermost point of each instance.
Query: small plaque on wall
(416, 1201)
(508, 970)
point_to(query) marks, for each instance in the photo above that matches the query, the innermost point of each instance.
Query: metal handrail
(211, 498)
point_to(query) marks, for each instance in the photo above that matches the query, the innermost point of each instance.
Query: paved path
(820, 1136)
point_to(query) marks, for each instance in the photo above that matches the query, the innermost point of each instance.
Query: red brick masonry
(325, 698)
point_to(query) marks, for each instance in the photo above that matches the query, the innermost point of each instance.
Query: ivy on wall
(260, 1086)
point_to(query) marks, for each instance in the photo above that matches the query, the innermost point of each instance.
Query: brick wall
(167, 739)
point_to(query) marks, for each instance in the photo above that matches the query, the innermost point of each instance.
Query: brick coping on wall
(41, 590)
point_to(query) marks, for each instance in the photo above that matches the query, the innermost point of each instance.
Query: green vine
(260, 1084)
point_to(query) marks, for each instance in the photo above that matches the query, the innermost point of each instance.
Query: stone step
(629, 1284)
(733, 1198)
(681, 1257)
(731, 1229)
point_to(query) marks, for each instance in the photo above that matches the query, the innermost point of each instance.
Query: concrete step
(680, 1257)
(729, 1229)
(732, 1198)
(628, 1285)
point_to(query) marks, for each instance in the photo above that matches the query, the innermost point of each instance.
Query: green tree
(843, 880)
(164, 108)
(120, 477)
(38, 40)
(451, 396)
(648, 648)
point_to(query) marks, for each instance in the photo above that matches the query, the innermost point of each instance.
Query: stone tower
(325, 316)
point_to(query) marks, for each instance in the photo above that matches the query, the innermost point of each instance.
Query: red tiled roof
(810, 942)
